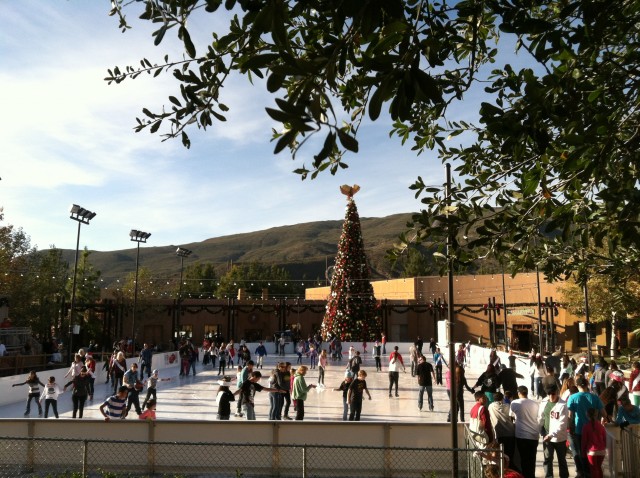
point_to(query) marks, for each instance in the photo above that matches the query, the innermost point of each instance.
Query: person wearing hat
(578, 405)
(224, 399)
(553, 418)
(613, 366)
(612, 394)
(152, 384)
(344, 388)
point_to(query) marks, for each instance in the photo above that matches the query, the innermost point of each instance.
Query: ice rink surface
(193, 397)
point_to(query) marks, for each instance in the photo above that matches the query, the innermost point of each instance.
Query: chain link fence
(630, 445)
(65, 458)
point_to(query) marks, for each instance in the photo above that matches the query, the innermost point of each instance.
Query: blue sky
(67, 137)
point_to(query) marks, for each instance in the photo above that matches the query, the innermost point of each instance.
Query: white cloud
(68, 137)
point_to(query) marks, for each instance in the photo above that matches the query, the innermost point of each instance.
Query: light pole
(83, 216)
(182, 253)
(136, 236)
(587, 315)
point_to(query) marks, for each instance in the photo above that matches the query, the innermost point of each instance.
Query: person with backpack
(354, 363)
(480, 422)
(598, 377)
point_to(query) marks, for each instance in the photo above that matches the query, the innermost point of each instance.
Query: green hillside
(304, 250)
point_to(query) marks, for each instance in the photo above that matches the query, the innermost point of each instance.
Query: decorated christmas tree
(352, 313)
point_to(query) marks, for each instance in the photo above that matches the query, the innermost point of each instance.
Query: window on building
(211, 330)
(186, 331)
(253, 335)
(500, 335)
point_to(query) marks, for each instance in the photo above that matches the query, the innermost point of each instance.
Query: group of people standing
(284, 385)
(565, 407)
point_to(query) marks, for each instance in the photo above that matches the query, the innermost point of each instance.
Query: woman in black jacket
(81, 387)
(489, 383)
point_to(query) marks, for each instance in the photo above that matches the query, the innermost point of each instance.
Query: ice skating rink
(193, 397)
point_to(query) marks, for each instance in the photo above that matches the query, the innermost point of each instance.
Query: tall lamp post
(136, 236)
(182, 253)
(83, 216)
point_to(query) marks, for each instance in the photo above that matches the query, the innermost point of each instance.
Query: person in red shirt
(480, 421)
(594, 442)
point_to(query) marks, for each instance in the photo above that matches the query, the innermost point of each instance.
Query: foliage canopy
(550, 162)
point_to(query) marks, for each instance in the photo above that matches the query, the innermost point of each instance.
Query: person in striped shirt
(34, 391)
(115, 405)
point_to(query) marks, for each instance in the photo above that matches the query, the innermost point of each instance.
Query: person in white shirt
(50, 396)
(503, 426)
(553, 418)
(395, 361)
(3, 349)
(525, 412)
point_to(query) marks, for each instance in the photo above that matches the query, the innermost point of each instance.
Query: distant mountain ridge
(305, 250)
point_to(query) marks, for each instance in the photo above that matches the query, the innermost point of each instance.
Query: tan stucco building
(408, 308)
(475, 312)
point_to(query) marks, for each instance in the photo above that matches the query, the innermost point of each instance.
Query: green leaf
(259, 61)
(188, 44)
(155, 126)
(159, 34)
(348, 141)
(274, 82)
(278, 115)
(594, 95)
(284, 141)
(375, 103)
